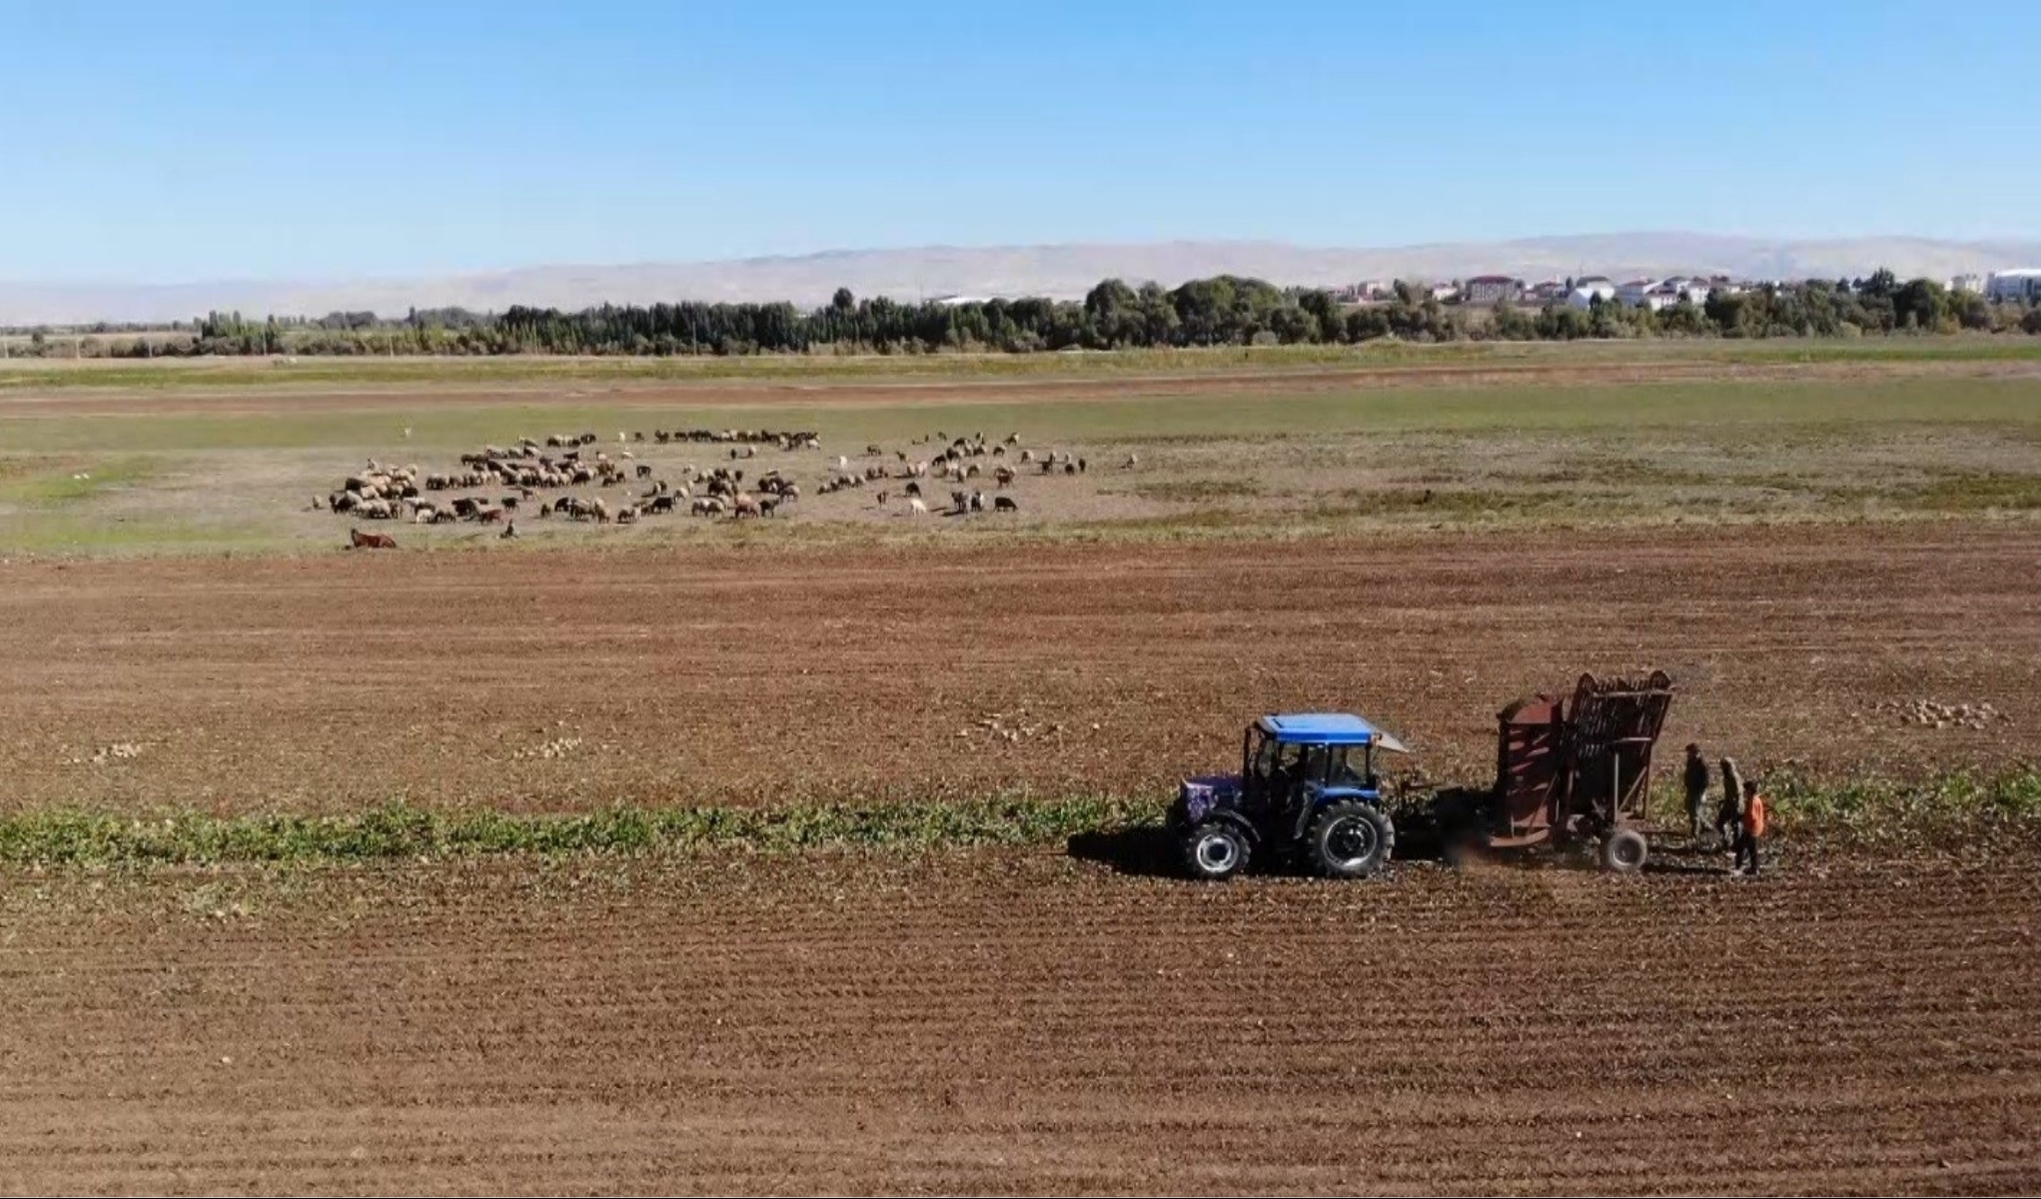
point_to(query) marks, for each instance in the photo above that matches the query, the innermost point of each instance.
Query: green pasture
(1267, 455)
(30, 375)
(1256, 411)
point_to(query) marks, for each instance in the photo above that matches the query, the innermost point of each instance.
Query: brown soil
(563, 679)
(1022, 1023)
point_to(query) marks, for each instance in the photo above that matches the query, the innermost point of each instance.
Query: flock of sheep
(511, 478)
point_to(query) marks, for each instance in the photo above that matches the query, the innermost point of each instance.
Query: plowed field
(1001, 1022)
(562, 679)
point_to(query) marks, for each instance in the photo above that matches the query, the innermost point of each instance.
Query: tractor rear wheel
(1624, 851)
(1350, 840)
(1214, 850)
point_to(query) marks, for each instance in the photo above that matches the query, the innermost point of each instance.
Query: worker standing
(1750, 831)
(1728, 815)
(1697, 789)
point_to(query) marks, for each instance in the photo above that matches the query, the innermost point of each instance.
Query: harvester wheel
(1351, 840)
(1214, 851)
(1624, 851)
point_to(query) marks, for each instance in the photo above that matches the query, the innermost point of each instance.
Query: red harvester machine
(1571, 774)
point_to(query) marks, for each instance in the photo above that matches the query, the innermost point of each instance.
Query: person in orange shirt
(1750, 831)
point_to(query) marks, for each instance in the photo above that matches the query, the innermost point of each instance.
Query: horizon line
(472, 273)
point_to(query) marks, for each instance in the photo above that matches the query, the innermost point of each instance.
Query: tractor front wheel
(1624, 851)
(1350, 840)
(1214, 851)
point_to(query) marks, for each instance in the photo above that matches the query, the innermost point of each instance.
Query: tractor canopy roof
(1328, 728)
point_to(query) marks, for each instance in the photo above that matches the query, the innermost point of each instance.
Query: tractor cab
(1307, 782)
(1288, 760)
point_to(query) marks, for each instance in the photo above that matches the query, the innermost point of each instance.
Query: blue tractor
(1307, 793)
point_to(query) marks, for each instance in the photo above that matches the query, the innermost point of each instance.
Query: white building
(1972, 283)
(2014, 285)
(1660, 294)
(1587, 291)
(1631, 294)
(1661, 297)
(1694, 290)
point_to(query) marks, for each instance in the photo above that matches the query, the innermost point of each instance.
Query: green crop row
(402, 831)
(1867, 808)
(1866, 805)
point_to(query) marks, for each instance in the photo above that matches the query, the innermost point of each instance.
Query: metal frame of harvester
(1568, 774)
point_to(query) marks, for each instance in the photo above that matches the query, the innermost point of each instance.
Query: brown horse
(371, 541)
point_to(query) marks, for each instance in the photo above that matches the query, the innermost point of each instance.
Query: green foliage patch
(1865, 808)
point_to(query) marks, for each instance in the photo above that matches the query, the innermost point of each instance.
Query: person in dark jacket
(1696, 779)
(1729, 817)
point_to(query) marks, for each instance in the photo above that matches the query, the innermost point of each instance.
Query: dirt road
(555, 680)
(998, 1022)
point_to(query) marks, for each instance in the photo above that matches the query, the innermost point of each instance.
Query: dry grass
(1268, 454)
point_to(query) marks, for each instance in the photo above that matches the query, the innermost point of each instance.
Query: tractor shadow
(1141, 850)
(1146, 851)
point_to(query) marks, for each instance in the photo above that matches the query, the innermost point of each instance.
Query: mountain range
(1063, 271)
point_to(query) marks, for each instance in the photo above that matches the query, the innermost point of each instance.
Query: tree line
(1222, 311)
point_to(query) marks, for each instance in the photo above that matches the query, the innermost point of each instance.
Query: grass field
(1608, 435)
(1252, 458)
(1260, 409)
(59, 372)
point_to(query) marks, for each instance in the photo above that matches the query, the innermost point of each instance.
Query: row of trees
(1206, 312)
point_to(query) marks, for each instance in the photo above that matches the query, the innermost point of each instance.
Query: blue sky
(146, 142)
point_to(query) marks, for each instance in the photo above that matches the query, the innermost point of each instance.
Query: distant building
(1587, 291)
(1680, 289)
(1494, 289)
(1691, 288)
(1368, 291)
(1445, 291)
(1549, 291)
(1631, 294)
(1659, 294)
(2014, 285)
(1971, 283)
